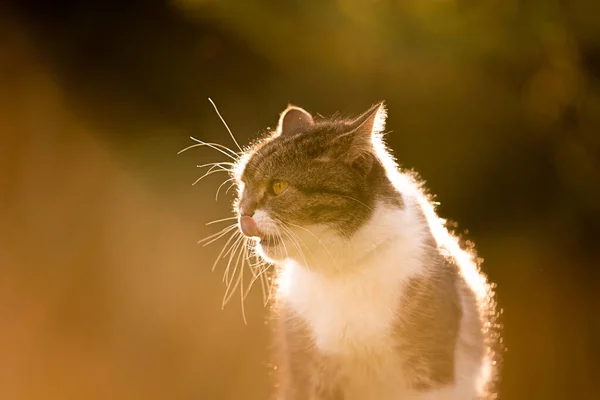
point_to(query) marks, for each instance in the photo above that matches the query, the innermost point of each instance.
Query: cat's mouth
(269, 240)
(250, 229)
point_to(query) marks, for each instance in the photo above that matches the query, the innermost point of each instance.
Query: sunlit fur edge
(408, 183)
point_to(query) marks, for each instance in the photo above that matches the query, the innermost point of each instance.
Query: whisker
(229, 292)
(215, 166)
(258, 263)
(224, 123)
(233, 249)
(296, 237)
(356, 200)
(219, 145)
(218, 234)
(264, 284)
(215, 146)
(220, 186)
(221, 220)
(296, 244)
(271, 285)
(269, 281)
(225, 255)
(237, 260)
(219, 237)
(228, 282)
(233, 235)
(287, 253)
(242, 297)
(230, 186)
(258, 276)
(261, 274)
(207, 174)
(316, 237)
(283, 228)
(220, 164)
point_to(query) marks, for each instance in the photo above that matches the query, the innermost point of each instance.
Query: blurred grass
(104, 292)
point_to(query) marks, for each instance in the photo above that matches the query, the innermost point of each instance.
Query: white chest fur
(351, 311)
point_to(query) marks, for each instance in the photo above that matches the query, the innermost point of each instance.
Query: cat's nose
(247, 208)
(246, 213)
(248, 226)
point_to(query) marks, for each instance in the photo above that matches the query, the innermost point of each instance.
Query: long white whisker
(258, 276)
(224, 123)
(220, 186)
(229, 281)
(219, 145)
(229, 292)
(231, 253)
(221, 220)
(263, 282)
(233, 235)
(296, 238)
(214, 146)
(220, 164)
(214, 166)
(230, 186)
(290, 235)
(315, 236)
(242, 296)
(240, 237)
(280, 250)
(210, 172)
(217, 235)
(237, 260)
(287, 253)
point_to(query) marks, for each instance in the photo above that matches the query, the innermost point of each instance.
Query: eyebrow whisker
(225, 123)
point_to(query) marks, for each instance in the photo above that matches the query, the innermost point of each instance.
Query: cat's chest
(347, 315)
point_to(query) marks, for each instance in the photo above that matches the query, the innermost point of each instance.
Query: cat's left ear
(369, 123)
(358, 139)
(294, 119)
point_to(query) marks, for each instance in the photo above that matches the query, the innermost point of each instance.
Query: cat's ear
(294, 119)
(370, 122)
(357, 142)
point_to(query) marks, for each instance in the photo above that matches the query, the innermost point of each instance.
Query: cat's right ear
(294, 119)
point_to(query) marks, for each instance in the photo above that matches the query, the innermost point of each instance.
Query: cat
(375, 299)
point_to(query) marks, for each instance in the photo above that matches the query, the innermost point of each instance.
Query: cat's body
(375, 300)
(401, 324)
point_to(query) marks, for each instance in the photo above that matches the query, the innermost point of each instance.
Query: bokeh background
(104, 293)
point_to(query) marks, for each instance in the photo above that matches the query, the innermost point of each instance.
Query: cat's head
(311, 181)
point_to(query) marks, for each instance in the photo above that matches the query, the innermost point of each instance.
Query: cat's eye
(278, 187)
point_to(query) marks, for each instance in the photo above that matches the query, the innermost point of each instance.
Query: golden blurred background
(104, 293)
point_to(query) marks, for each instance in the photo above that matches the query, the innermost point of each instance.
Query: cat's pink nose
(248, 226)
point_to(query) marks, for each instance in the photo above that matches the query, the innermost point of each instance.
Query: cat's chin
(270, 252)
